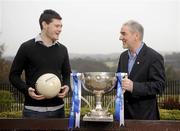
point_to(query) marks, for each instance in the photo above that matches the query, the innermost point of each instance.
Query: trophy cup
(98, 83)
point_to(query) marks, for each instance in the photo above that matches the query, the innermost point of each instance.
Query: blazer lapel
(139, 61)
(125, 63)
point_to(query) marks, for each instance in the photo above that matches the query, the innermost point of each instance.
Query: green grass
(14, 114)
(164, 114)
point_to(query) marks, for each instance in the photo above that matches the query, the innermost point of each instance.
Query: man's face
(53, 29)
(127, 37)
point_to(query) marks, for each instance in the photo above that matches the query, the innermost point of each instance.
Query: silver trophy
(98, 83)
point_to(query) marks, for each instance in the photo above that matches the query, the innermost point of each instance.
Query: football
(48, 85)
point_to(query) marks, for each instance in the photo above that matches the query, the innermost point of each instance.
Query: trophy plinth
(98, 83)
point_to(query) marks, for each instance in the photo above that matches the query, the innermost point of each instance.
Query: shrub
(171, 103)
(6, 97)
(169, 114)
(6, 100)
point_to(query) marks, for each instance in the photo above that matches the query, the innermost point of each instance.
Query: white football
(48, 85)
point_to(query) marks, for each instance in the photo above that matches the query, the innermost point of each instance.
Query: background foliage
(91, 64)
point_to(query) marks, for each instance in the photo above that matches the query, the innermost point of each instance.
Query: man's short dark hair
(47, 16)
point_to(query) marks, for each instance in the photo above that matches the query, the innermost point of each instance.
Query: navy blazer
(148, 76)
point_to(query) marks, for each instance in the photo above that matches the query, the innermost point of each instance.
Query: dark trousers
(60, 113)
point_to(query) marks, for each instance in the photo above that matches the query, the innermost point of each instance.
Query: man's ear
(44, 25)
(137, 36)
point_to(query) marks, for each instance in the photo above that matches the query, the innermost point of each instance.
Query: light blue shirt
(132, 58)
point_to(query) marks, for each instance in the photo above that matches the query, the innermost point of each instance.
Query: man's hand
(31, 92)
(127, 84)
(64, 92)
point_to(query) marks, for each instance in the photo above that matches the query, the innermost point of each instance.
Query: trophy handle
(83, 85)
(86, 101)
(115, 79)
(124, 75)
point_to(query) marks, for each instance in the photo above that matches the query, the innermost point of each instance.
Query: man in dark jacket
(40, 55)
(146, 74)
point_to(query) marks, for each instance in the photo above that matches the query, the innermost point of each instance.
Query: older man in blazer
(146, 74)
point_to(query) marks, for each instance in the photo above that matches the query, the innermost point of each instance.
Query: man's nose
(60, 29)
(120, 38)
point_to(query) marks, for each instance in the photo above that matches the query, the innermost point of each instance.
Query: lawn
(164, 114)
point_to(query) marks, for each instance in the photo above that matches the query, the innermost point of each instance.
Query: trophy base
(98, 118)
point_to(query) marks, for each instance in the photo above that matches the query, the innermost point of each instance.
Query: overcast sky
(92, 26)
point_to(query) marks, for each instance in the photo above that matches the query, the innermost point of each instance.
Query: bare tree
(4, 66)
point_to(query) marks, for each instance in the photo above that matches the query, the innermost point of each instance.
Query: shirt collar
(136, 52)
(39, 40)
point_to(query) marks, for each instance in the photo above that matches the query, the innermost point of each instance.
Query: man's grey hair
(135, 27)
